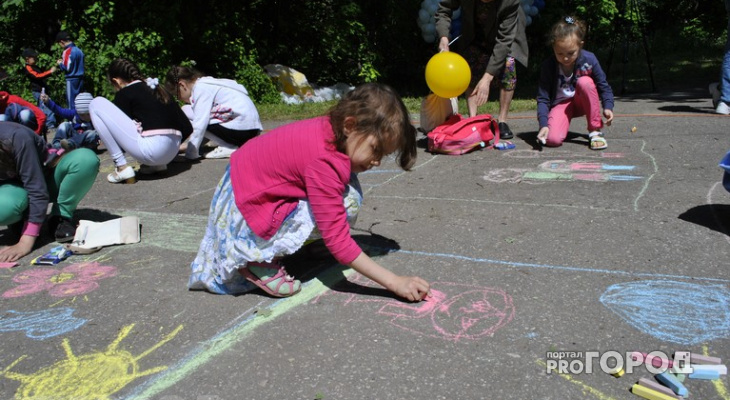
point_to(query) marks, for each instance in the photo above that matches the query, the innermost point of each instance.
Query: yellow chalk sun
(90, 376)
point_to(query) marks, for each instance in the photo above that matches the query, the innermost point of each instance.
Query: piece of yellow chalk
(650, 394)
(633, 129)
(617, 372)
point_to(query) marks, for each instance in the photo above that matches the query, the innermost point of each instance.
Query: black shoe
(65, 230)
(504, 131)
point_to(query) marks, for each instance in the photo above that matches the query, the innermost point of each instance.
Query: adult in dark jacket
(492, 38)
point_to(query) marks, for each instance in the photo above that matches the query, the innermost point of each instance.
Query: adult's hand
(481, 91)
(444, 44)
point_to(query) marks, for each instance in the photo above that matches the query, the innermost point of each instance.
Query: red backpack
(460, 135)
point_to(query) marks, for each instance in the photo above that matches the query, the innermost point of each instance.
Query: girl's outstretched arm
(412, 288)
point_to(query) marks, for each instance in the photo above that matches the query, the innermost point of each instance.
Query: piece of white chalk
(706, 374)
(721, 369)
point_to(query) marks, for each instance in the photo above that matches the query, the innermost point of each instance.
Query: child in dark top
(15, 109)
(37, 77)
(143, 121)
(572, 84)
(28, 182)
(78, 131)
(72, 64)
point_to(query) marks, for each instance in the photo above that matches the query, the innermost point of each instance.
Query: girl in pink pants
(572, 84)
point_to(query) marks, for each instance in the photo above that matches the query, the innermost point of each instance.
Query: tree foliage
(329, 41)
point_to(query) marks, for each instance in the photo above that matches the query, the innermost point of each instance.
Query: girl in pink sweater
(298, 183)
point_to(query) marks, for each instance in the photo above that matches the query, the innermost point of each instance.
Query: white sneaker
(151, 169)
(221, 152)
(126, 175)
(715, 93)
(722, 108)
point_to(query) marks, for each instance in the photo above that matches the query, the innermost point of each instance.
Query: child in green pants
(29, 181)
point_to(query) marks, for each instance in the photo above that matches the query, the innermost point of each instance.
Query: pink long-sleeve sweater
(272, 172)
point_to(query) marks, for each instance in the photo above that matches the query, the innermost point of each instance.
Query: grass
(285, 112)
(675, 68)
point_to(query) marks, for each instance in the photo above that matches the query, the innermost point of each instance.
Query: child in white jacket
(219, 109)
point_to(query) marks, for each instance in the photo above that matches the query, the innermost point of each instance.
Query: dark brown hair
(127, 70)
(565, 28)
(178, 73)
(378, 111)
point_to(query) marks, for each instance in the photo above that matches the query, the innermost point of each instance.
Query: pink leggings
(585, 102)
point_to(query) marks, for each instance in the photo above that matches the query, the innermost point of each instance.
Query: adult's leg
(72, 178)
(725, 78)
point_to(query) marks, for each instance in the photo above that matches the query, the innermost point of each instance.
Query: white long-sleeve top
(219, 101)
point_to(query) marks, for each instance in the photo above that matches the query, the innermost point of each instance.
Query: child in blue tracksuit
(78, 131)
(72, 64)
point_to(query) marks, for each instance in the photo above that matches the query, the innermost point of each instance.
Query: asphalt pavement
(532, 254)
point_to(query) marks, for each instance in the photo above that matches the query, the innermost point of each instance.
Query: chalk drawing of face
(678, 312)
(473, 314)
(453, 312)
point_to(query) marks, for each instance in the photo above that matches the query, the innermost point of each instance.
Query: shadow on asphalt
(710, 216)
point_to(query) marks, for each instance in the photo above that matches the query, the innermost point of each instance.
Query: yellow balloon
(448, 74)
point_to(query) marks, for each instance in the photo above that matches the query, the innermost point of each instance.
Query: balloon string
(455, 39)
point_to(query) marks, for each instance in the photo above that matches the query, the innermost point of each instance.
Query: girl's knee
(585, 82)
(12, 206)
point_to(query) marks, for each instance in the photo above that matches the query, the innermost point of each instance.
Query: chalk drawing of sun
(89, 376)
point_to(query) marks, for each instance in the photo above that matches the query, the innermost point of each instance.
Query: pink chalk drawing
(562, 170)
(453, 312)
(74, 280)
(555, 153)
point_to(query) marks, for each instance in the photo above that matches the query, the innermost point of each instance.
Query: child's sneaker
(221, 152)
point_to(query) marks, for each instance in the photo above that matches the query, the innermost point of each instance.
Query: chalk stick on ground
(680, 377)
(6, 265)
(671, 382)
(721, 369)
(702, 359)
(650, 394)
(657, 362)
(617, 371)
(706, 374)
(658, 387)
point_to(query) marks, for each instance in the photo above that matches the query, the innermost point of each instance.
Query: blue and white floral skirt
(229, 243)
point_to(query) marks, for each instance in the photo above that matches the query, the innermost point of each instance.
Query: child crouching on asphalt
(572, 84)
(296, 183)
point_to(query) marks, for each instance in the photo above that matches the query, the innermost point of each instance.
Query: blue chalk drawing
(679, 312)
(41, 324)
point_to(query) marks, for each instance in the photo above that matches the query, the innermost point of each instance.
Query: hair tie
(569, 20)
(152, 82)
